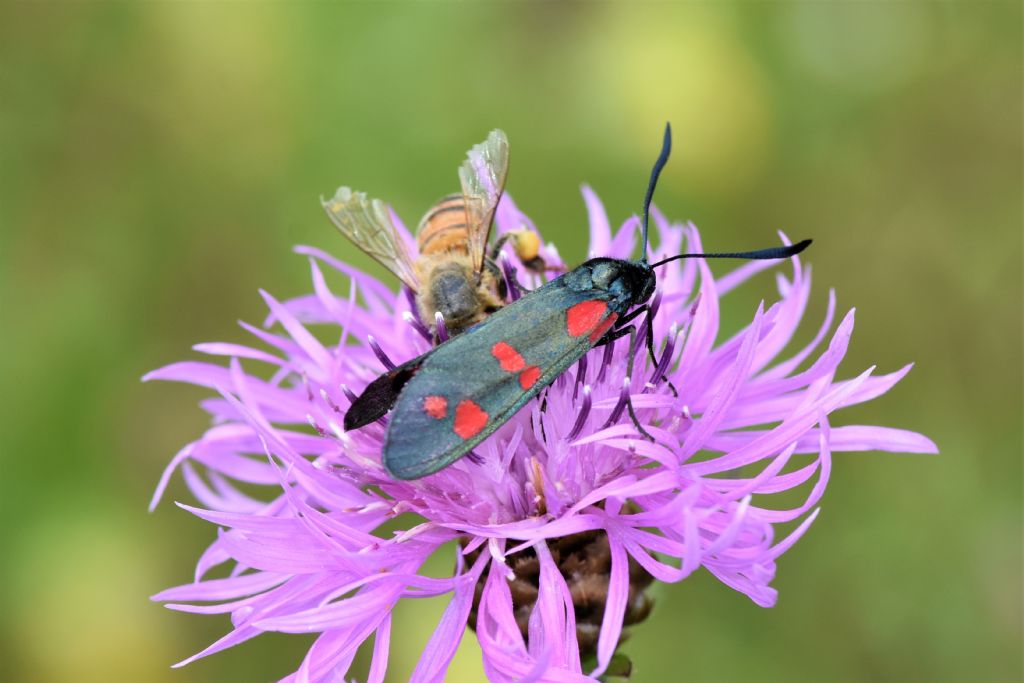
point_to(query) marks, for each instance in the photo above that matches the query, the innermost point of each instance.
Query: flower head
(564, 517)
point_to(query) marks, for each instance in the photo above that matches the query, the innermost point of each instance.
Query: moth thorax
(585, 562)
(444, 227)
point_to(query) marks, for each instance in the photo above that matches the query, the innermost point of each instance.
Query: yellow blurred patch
(80, 601)
(688, 66)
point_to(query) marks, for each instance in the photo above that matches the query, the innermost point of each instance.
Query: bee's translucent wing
(483, 180)
(367, 223)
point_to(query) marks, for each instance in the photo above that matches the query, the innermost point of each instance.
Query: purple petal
(237, 350)
(615, 607)
(307, 342)
(553, 620)
(600, 231)
(440, 650)
(222, 589)
(370, 602)
(381, 646)
(726, 392)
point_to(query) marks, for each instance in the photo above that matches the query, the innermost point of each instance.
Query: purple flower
(565, 518)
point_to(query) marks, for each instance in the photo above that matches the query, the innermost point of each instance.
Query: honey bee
(454, 274)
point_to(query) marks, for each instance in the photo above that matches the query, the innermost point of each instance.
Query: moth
(451, 398)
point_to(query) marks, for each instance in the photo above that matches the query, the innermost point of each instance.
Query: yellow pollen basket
(526, 243)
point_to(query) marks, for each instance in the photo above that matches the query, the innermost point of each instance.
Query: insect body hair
(451, 288)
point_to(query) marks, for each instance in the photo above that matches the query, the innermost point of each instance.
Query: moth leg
(649, 325)
(625, 396)
(612, 336)
(650, 350)
(649, 328)
(632, 315)
(621, 328)
(629, 373)
(622, 323)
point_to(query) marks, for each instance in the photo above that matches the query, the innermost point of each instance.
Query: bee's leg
(539, 265)
(498, 244)
(490, 266)
(535, 263)
(508, 274)
(513, 288)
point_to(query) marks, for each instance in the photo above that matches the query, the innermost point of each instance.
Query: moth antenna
(760, 254)
(666, 147)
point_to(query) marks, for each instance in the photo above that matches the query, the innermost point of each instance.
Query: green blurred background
(158, 161)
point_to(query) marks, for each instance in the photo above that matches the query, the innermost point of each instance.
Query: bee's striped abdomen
(443, 228)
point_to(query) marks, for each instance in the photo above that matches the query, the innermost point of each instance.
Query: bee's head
(454, 293)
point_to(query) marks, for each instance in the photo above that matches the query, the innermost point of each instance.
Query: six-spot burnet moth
(454, 396)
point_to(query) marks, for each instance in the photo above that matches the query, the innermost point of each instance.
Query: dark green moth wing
(471, 385)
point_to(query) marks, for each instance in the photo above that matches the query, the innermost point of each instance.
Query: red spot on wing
(436, 407)
(529, 377)
(509, 358)
(470, 419)
(583, 317)
(603, 327)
